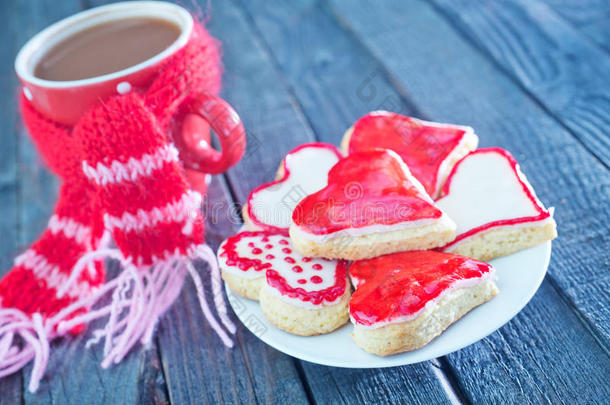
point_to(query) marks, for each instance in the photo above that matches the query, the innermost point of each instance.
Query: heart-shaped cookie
(303, 171)
(494, 206)
(404, 300)
(301, 295)
(430, 149)
(372, 205)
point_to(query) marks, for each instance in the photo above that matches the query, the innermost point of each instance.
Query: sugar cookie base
(249, 288)
(410, 335)
(304, 321)
(502, 241)
(376, 244)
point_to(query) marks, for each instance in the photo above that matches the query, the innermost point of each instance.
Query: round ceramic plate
(518, 277)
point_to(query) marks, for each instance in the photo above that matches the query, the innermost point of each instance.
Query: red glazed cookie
(495, 208)
(301, 295)
(303, 171)
(430, 149)
(371, 206)
(404, 300)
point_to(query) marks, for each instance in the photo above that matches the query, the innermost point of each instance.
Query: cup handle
(196, 152)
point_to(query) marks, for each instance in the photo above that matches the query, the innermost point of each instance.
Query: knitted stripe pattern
(121, 176)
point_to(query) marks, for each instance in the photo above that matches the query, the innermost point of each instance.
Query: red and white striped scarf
(120, 177)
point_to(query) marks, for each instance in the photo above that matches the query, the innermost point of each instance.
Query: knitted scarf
(121, 177)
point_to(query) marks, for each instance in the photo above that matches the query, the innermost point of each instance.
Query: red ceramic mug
(66, 101)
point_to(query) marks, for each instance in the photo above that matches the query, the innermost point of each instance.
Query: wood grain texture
(413, 384)
(74, 374)
(563, 364)
(197, 367)
(557, 65)
(416, 44)
(591, 17)
(329, 80)
(304, 71)
(10, 387)
(572, 79)
(332, 76)
(253, 87)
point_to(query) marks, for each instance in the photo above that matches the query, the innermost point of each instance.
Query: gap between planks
(513, 78)
(443, 374)
(400, 89)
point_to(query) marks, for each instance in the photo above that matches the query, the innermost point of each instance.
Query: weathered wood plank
(10, 387)
(472, 90)
(397, 385)
(453, 82)
(327, 80)
(559, 364)
(558, 66)
(197, 367)
(567, 75)
(270, 115)
(591, 17)
(74, 374)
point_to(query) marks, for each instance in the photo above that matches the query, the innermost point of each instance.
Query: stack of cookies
(391, 232)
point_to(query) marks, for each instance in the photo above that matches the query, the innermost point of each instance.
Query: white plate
(519, 276)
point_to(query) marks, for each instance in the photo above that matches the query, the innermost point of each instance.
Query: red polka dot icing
(300, 280)
(398, 287)
(485, 190)
(305, 170)
(365, 191)
(428, 148)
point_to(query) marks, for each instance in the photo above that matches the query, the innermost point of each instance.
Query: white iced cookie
(301, 295)
(494, 206)
(303, 171)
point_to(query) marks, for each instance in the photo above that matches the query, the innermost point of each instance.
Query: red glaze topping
(279, 267)
(423, 147)
(365, 188)
(400, 284)
(542, 212)
(316, 279)
(228, 251)
(330, 294)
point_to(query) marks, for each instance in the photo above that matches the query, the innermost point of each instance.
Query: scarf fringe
(140, 296)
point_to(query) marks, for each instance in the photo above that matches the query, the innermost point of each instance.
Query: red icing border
(271, 228)
(243, 263)
(329, 294)
(543, 213)
(274, 279)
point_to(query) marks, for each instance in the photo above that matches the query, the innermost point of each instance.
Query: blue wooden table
(532, 76)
